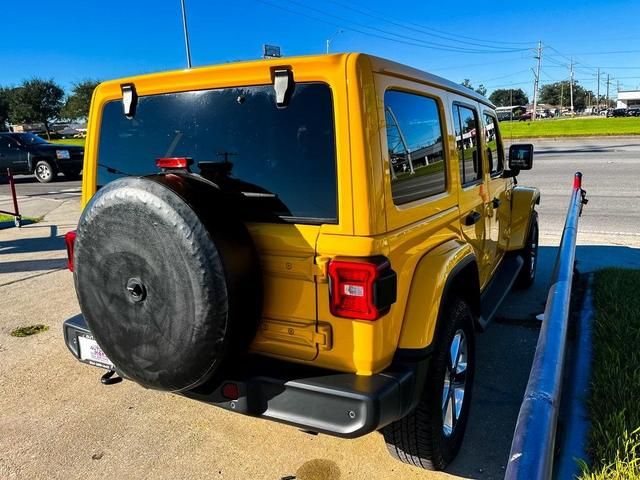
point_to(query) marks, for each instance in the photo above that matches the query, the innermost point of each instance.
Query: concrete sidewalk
(39, 248)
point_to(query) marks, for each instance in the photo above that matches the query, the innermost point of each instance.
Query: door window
(466, 127)
(495, 151)
(414, 143)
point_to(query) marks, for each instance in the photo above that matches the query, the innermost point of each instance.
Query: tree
(5, 93)
(559, 93)
(77, 104)
(36, 100)
(507, 97)
(482, 90)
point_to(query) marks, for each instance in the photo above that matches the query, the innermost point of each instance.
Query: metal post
(532, 449)
(186, 33)
(12, 184)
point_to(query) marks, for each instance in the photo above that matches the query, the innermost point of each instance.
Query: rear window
(283, 159)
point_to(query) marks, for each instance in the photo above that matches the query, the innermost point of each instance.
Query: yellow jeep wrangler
(311, 240)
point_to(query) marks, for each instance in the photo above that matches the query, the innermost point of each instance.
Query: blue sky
(74, 40)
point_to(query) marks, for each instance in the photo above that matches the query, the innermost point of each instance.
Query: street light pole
(330, 39)
(186, 33)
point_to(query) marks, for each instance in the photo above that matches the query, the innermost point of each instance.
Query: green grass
(614, 442)
(69, 141)
(9, 218)
(30, 330)
(571, 127)
(426, 170)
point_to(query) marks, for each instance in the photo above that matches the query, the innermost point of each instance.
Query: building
(628, 99)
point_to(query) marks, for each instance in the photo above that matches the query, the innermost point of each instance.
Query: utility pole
(598, 94)
(536, 80)
(186, 33)
(561, 96)
(608, 82)
(571, 85)
(511, 104)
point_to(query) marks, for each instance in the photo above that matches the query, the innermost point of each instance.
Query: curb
(577, 423)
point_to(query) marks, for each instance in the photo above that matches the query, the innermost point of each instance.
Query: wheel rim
(43, 171)
(455, 380)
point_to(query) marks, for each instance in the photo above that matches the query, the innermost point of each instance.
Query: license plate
(63, 154)
(90, 352)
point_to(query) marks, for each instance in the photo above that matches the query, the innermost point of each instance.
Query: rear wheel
(44, 172)
(431, 435)
(529, 253)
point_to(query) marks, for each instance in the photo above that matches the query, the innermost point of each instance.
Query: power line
(434, 45)
(426, 31)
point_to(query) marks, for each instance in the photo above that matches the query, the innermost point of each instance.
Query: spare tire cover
(154, 285)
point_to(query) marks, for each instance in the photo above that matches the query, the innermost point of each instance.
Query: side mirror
(521, 157)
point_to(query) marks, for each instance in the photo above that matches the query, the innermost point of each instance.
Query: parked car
(27, 153)
(633, 112)
(619, 112)
(304, 275)
(525, 117)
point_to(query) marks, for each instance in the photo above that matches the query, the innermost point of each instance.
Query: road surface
(611, 169)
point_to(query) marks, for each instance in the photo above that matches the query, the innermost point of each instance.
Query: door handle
(496, 202)
(472, 219)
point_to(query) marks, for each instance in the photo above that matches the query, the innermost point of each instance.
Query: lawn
(571, 127)
(614, 443)
(70, 141)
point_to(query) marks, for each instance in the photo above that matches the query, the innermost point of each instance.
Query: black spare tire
(167, 279)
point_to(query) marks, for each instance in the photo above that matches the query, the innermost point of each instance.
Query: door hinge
(320, 268)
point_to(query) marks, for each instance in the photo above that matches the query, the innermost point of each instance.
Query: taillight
(174, 162)
(361, 289)
(70, 239)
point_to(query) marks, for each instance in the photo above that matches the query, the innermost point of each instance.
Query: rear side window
(495, 151)
(283, 160)
(414, 141)
(466, 126)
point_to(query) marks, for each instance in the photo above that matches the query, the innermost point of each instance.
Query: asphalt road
(611, 169)
(28, 186)
(58, 421)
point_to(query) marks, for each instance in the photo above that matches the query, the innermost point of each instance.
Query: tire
(430, 437)
(44, 172)
(529, 254)
(167, 280)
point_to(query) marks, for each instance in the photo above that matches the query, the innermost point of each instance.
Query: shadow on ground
(48, 241)
(504, 356)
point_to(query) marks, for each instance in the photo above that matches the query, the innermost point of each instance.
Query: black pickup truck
(26, 153)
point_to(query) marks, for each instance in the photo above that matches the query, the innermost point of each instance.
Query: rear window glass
(283, 159)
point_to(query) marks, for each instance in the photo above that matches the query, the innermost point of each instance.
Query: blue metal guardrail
(532, 449)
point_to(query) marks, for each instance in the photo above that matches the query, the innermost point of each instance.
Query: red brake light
(361, 289)
(70, 239)
(174, 162)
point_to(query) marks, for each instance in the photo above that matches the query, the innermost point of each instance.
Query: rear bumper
(339, 404)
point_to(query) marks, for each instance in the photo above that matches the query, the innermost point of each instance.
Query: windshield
(29, 139)
(284, 159)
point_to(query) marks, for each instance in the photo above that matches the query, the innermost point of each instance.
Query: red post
(577, 181)
(13, 193)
